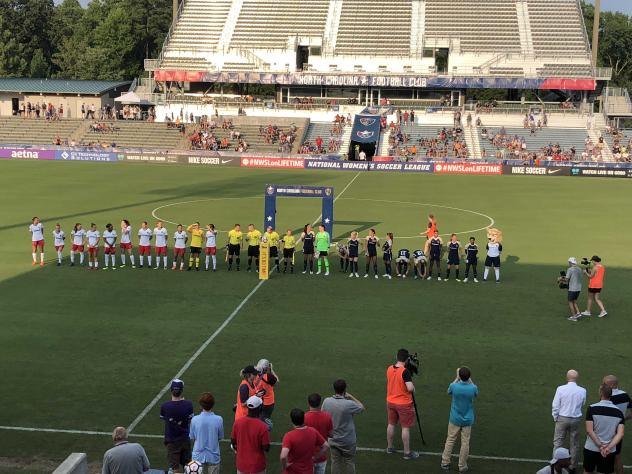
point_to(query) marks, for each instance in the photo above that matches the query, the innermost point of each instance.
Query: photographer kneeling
(573, 280)
(399, 403)
(595, 273)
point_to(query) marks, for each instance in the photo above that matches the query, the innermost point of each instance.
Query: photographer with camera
(595, 271)
(572, 280)
(399, 403)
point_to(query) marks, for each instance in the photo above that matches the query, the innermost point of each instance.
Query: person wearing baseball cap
(247, 388)
(561, 460)
(250, 439)
(574, 279)
(596, 274)
(176, 414)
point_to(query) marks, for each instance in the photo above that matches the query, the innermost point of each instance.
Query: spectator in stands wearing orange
(399, 404)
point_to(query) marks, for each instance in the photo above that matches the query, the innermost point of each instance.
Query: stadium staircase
(229, 26)
(36, 131)
(135, 134)
(331, 26)
(524, 28)
(472, 141)
(417, 28)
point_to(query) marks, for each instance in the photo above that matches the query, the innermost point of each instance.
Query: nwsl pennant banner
(364, 80)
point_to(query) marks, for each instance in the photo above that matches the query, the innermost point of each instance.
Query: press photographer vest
(396, 391)
(241, 411)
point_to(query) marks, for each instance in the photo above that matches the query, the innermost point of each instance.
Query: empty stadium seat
(557, 28)
(36, 131)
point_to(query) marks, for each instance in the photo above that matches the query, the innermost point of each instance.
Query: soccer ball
(193, 467)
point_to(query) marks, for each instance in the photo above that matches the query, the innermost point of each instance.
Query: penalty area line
(360, 448)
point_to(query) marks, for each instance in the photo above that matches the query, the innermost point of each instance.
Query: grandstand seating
(268, 24)
(565, 70)
(481, 25)
(416, 132)
(36, 131)
(187, 63)
(360, 34)
(136, 134)
(199, 26)
(566, 137)
(506, 71)
(557, 28)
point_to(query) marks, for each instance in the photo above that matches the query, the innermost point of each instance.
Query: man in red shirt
(321, 421)
(299, 445)
(250, 439)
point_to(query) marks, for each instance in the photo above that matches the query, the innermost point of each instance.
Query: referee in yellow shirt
(289, 243)
(253, 237)
(273, 238)
(235, 238)
(196, 245)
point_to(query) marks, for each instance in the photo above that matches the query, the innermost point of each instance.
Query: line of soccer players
(315, 245)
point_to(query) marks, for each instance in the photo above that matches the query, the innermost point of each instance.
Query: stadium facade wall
(71, 102)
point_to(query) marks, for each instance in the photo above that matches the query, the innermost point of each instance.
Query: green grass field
(88, 351)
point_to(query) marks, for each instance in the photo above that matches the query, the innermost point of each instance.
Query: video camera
(413, 364)
(562, 281)
(585, 262)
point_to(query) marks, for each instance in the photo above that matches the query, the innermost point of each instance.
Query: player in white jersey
(78, 235)
(144, 238)
(180, 237)
(109, 246)
(211, 246)
(126, 243)
(160, 247)
(59, 236)
(37, 240)
(94, 237)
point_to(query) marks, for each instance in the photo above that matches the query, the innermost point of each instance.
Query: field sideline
(87, 351)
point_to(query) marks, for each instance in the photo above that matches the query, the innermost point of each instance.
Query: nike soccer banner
(537, 170)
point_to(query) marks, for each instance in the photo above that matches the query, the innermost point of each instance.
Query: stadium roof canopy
(59, 86)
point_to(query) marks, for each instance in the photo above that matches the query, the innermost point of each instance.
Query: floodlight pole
(595, 38)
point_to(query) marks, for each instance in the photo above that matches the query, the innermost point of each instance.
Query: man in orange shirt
(399, 403)
(595, 284)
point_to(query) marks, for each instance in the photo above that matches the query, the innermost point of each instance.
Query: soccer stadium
(315, 236)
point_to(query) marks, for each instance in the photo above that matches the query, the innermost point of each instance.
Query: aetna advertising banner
(467, 168)
(537, 170)
(268, 162)
(27, 153)
(594, 172)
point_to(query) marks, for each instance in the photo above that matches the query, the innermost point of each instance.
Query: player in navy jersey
(471, 260)
(370, 246)
(454, 257)
(403, 259)
(388, 255)
(419, 264)
(435, 245)
(343, 253)
(308, 236)
(354, 250)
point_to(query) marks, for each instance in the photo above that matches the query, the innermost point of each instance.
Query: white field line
(208, 341)
(361, 449)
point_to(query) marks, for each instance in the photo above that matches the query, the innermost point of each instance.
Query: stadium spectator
(299, 446)
(207, 429)
(567, 413)
(176, 414)
(321, 421)
(561, 460)
(463, 393)
(124, 457)
(399, 403)
(574, 279)
(342, 407)
(250, 439)
(604, 431)
(623, 402)
(596, 275)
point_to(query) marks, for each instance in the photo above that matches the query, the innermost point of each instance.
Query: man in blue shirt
(207, 429)
(463, 393)
(177, 414)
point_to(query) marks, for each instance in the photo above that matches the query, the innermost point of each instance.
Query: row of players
(315, 245)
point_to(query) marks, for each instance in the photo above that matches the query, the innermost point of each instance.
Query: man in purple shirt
(177, 414)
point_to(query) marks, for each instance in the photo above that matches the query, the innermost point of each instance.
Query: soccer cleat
(389, 277)
(399, 274)
(445, 467)
(572, 318)
(122, 266)
(413, 278)
(197, 269)
(41, 264)
(304, 272)
(475, 280)
(34, 263)
(366, 275)
(140, 266)
(465, 280)
(72, 264)
(133, 266)
(390, 451)
(157, 268)
(410, 456)
(189, 269)
(429, 278)
(439, 278)
(497, 281)
(113, 268)
(318, 272)
(445, 279)
(458, 280)
(385, 275)
(351, 275)
(311, 272)
(376, 277)
(357, 275)
(173, 268)
(105, 268)
(602, 314)
(327, 273)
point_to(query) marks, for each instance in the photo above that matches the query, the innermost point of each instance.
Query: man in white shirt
(567, 413)
(561, 460)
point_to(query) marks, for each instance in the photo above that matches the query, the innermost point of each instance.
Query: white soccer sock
(485, 273)
(208, 259)
(96, 264)
(107, 260)
(131, 257)
(90, 263)
(41, 256)
(141, 260)
(149, 260)
(59, 256)
(113, 257)
(81, 257)
(164, 259)
(123, 258)
(34, 256)
(182, 264)
(497, 271)
(72, 257)
(214, 262)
